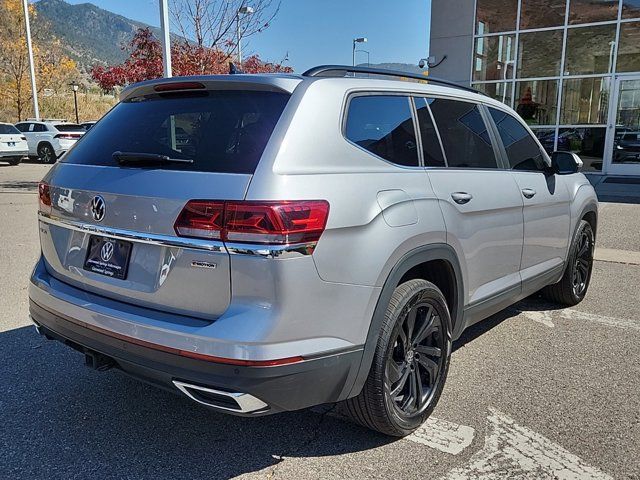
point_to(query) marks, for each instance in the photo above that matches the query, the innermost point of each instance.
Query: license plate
(108, 256)
(12, 144)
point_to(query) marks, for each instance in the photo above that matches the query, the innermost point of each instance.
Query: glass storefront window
(500, 90)
(547, 137)
(585, 101)
(542, 13)
(626, 148)
(496, 16)
(588, 143)
(539, 54)
(629, 48)
(630, 8)
(590, 50)
(494, 57)
(536, 101)
(588, 11)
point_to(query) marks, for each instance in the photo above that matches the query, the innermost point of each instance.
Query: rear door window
(464, 134)
(522, 150)
(431, 149)
(220, 131)
(39, 127)
(383, 125)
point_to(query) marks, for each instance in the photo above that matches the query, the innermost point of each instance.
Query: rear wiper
(140, 158)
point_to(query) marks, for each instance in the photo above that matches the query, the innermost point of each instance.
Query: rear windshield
(220, 131)
(8, 130)
(68, 127)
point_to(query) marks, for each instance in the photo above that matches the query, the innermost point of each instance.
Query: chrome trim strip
(139, 237)
(247, 403)
(271, 251)
(264, 251)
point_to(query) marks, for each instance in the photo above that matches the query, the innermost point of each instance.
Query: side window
(464, 134)
(383, 125)
(23, 127)
(39, 127)
(522, 150)
(432, 152)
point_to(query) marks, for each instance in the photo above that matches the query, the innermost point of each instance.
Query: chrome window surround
(264, 251)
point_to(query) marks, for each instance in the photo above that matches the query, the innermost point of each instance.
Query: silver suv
(263, 243)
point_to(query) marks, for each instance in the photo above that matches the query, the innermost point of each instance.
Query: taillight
(23, 138)
(44, 197)
(268, 222)
(172, 86)
(68, 136)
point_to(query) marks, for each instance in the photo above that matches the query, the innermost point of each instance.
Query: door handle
(461, 197)
(528, 192)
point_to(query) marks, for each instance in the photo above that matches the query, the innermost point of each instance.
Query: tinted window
(432, 152)
(464, 134)
(382, 124)
(69, 127)
(221, 131)
(523, 152)
(23, 127)
(39, 127)
(8, 129)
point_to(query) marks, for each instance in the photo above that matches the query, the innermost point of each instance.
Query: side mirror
(565, 163)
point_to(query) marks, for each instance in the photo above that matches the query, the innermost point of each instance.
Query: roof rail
(342, 70)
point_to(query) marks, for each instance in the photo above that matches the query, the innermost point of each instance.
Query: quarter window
(383, 125)
(464, 134)
(431, 149)
(522, 150)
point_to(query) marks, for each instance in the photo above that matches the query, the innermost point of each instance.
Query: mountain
(88, 34)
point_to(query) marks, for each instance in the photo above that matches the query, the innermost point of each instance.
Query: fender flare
(438, 251)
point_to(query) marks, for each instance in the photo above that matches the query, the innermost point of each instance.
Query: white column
(32, 70)
(166, 41)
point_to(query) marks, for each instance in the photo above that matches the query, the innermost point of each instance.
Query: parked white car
(13, 145)
(49, 140)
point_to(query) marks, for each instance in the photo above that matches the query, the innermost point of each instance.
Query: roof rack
(342, 70)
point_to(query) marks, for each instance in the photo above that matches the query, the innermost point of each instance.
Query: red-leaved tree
(145, 62)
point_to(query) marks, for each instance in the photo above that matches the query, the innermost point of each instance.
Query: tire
(396, 414)
(573, 286)
(46, 154)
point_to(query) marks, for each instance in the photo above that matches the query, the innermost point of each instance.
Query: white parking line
(570, 314)
(444, 436)
(512, 451)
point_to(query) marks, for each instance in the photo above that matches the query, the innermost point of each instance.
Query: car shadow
(62, 420)
(19, 186)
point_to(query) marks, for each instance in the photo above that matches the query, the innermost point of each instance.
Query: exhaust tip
(229, 401)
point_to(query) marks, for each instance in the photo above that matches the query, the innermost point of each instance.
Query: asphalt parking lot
(533, 392)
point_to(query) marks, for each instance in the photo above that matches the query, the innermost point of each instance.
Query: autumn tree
(53, 68)
(187, 58)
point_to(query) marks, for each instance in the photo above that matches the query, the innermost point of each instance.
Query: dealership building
(570, 68)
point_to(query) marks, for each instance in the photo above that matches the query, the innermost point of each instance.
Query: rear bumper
(15, 154)
(239, 390)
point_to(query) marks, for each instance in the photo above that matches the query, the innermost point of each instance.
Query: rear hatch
(11, 140)
(108, 208)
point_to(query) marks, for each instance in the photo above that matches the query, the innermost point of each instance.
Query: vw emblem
(97, 208)
(106, 252)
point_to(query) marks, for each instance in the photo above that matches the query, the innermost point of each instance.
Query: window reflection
(585, 101)
(500, 91)
(630, 8)
(542, 13)
(496, 16)
(627, 137)
(540, 54)
(590, 50)
(629, 49)
(494, 57)
(588, 11)
(547, 137)
(536, 101)
(588, 143)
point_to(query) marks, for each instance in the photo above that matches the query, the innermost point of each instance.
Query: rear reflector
(170, 87)
(44, 197)
(268, 222)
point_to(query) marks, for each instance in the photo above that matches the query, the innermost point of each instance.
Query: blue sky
(314, 32)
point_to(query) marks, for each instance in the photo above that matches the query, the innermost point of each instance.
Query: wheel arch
(410, 266)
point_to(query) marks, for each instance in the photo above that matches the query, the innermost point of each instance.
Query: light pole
(246, 10)
(34, 91)
(166, 39)
(74, 86)
(353, 52)
(368, 56)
